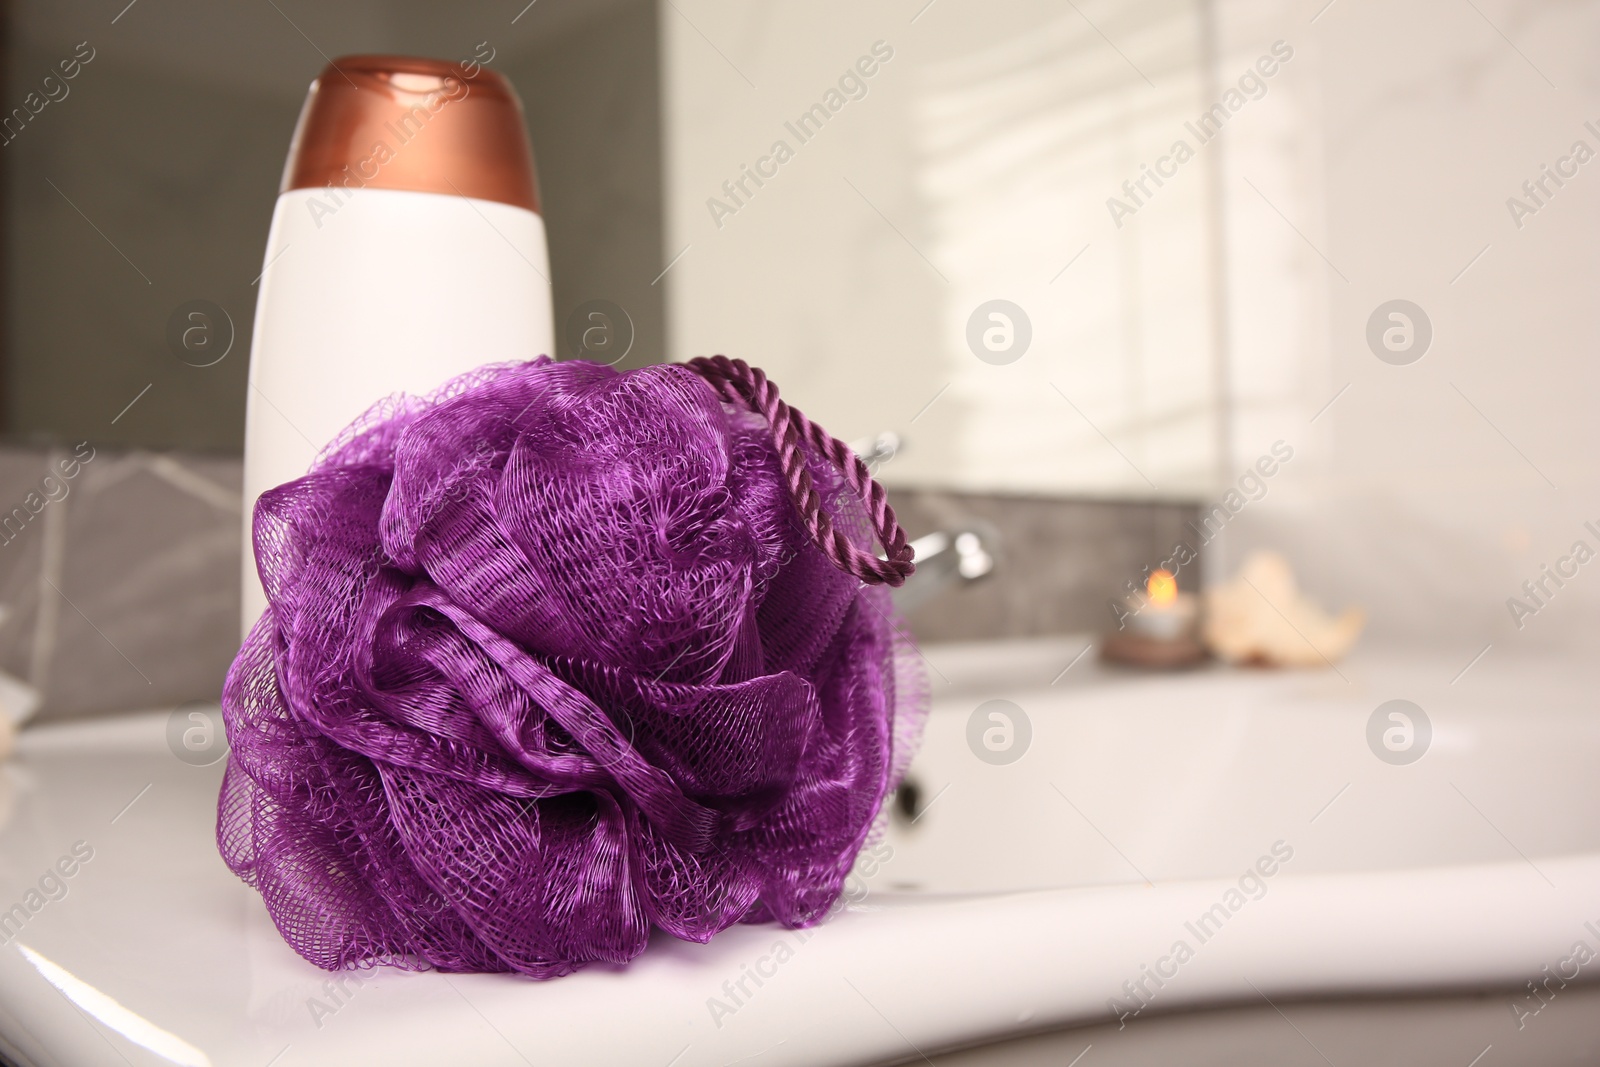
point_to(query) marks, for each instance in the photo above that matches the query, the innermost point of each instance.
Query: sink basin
(1243, 815)
(1129, 777)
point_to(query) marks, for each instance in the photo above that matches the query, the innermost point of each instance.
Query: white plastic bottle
(406, 248)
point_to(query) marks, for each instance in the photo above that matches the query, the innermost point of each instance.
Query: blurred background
(1284, 310)
(1168, 315)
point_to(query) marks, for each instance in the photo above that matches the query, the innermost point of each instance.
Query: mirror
(969, 225)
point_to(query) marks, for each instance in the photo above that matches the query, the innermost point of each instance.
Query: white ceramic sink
(1191, 776)
(1023, 897)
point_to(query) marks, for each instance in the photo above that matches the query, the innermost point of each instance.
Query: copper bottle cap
(426, 125)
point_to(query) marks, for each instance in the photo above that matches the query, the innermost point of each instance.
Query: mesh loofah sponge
(560, 654)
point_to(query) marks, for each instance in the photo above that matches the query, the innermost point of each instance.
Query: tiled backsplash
(122, 592)
(1061, 561)
(119, 584)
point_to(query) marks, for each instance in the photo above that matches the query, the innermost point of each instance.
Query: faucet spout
(948, 558)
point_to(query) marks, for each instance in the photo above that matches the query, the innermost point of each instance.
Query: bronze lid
(398, 122)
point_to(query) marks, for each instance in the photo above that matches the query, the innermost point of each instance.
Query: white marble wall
(1381, 169)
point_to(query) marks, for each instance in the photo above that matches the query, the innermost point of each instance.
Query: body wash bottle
(406, 248)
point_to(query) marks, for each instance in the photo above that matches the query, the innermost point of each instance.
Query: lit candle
(1163, 613)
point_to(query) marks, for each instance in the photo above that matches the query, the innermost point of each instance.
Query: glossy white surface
(1195, 775)
(155, 954)
(371, 294)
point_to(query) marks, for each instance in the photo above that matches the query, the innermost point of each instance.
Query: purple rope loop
(738, 382)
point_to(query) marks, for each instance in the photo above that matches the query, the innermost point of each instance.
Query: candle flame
(1162, 587)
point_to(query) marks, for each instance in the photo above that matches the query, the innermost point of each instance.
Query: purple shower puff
(551, 658)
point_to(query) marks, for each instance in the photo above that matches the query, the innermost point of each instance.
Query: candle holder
(1158, 630)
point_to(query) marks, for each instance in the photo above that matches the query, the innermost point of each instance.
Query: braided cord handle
(736, 381)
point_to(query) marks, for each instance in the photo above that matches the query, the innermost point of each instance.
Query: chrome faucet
(946, 558)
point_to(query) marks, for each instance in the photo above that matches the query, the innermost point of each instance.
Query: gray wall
(169, 145)
(180, 179)
(597, 144)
